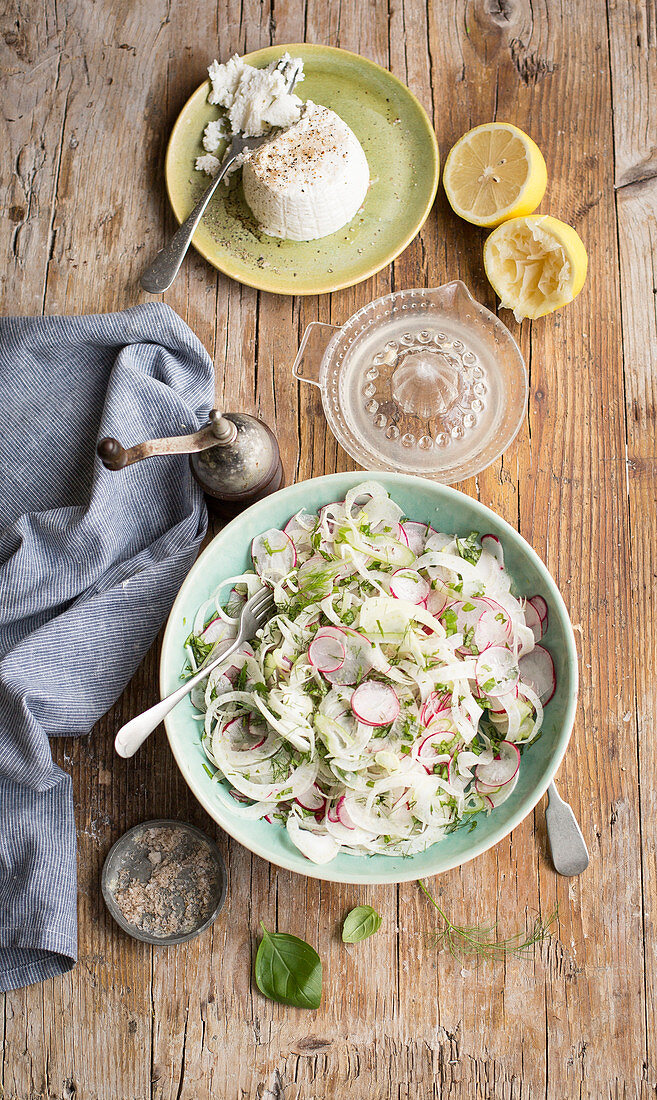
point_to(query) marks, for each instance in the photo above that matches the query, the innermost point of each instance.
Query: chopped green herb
(448, 619)
(468, 548)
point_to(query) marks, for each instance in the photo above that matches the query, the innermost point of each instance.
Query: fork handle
(166, 265)
(134, 733)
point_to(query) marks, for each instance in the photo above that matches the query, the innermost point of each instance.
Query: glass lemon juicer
(424, 381)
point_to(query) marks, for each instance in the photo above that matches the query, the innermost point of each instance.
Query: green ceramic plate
(447, 510)
(402, 152)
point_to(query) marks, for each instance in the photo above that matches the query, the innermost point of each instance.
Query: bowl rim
(323, 871)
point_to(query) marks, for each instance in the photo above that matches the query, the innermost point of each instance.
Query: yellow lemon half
(535, 265)
(493, 173)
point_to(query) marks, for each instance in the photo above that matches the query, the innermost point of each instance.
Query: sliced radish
(492, 628)
(218, 631)
(501, 770)
(436, 704)
(407, 584)
(434, 738)
(273, 555)
(237, 730)
(242, 735)
(537, 670)
(496, 671)
(493, 546)
(300, 526)
(238, 796)
(468, 613)
(426, 752)
(327, 652)
(541, 609)
(312, 799)
(541, 606)
(332, 814)
(316, 577)
(235, 603)
(533, 621)
(258, 731)
(416, 535)
(375, 704)
(358, 657)
(436, 603)
(497, 796)
(342, 814)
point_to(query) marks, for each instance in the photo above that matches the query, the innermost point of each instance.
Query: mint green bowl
(447, 510)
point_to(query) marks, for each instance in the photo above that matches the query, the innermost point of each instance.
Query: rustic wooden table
(91, 92)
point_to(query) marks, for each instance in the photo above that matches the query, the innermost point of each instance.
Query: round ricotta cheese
(309, 180)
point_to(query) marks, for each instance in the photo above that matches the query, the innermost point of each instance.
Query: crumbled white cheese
(207, 164)
(214, 134)
(255, 99)
(225, 79)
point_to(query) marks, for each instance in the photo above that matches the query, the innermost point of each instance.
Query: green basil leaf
(288, 970)
(361, 923)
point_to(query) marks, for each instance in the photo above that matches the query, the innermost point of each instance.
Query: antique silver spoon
(567, 845)
(166, 265)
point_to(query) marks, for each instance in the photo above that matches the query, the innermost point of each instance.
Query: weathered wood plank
(637, 223)
(633, 46)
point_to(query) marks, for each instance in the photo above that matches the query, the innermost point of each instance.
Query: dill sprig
(479, 941)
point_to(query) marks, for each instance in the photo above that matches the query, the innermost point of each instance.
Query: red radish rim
(534, 622)
(391, 695)
(513, 753)
(545, 699)
(540, 606)
(435, 711)
(317, 798)
(343, 813)
(429, 737)
(420, 581)
(324, 667)
(497, 551)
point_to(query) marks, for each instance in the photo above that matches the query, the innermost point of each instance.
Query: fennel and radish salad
(391, 695)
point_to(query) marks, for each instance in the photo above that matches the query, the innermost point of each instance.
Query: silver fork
(255, 613)
(166, 265)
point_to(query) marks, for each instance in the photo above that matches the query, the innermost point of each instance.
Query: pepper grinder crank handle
(234, 458)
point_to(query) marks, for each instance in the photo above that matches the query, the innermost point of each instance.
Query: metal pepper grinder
(234, 458)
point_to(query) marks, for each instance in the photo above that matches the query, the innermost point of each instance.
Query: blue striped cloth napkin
(90, 562)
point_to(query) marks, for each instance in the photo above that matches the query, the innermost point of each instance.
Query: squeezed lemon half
(494, 172)
(535, 264)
